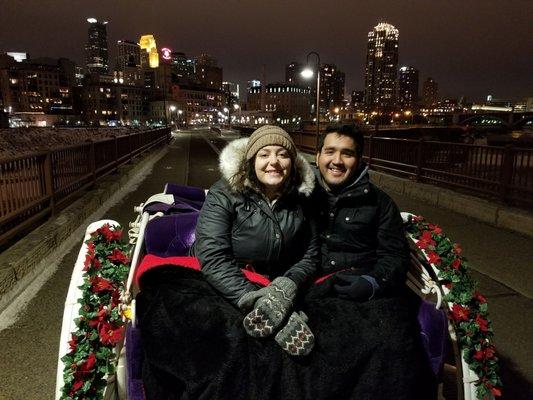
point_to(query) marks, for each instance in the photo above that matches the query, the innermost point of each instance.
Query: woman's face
(272, 166)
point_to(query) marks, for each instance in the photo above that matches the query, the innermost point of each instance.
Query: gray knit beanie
(269, 135)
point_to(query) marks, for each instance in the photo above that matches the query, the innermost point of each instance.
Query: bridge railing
(504, 173)
(34, 186)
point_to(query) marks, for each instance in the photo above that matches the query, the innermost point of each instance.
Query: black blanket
(196, 347)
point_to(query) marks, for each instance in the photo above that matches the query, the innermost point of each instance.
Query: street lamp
(307, 73)
(179, 117)
(172, 108)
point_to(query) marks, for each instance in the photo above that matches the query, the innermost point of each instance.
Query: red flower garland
(469, 313)
(99, 327)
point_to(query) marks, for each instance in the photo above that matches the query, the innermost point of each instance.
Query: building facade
(208, 73)
(96, 50)
(283, 100)
(381, 67)
(407, 87)
(430, 92)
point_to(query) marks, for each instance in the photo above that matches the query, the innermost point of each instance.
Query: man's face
(337, 160)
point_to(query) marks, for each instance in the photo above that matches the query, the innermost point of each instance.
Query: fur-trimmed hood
(232, 165)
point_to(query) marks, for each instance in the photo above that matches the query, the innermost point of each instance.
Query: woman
(226, 336)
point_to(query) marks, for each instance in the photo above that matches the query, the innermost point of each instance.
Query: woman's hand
(273, 305)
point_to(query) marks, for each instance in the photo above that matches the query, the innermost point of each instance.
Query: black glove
(354, 287)
(271, 309)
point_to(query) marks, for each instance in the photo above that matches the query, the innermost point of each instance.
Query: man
(361, 228)
(364, 318)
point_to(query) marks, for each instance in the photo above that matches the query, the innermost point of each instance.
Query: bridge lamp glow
(172, 108)
(307, 73)
(226, 109)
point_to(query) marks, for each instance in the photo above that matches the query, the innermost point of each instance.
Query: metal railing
(502, 173)
(34, 186)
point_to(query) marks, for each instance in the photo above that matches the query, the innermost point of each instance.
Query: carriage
(101, 354)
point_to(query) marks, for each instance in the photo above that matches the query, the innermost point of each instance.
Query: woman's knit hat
(269, 135)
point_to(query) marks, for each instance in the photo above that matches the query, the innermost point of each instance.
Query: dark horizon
(471, 49)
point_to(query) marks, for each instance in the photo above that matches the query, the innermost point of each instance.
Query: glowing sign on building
(147, 43)
(166, 53)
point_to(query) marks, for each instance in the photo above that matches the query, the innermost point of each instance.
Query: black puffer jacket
(361, 229)
(237, 227)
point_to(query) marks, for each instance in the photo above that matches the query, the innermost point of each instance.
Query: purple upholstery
(188, 194)
(171, 235)
(434, 333)
(134, 354)
(179, 206)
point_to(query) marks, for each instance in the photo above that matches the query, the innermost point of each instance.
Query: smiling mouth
(336, 171)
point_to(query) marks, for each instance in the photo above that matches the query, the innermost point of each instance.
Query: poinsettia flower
(496, 392)
(459, 313)
(109, 234)
(479, 297)
(457, 249)
(109, 335)
(482, 323)
(437, 230)
(73, 342)
(118, 256)
(75, 387)
(100, 284)
(433, 258)
(425, 240)
(115, 298)
(88, 365)
(93, 323)
(456, 264)
(90, 248)
(484, 354)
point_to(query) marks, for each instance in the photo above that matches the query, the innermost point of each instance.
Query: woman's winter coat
(238, 228)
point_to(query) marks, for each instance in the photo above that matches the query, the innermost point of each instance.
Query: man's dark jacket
(361, 229)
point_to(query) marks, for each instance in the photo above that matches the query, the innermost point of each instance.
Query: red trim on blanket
(151, 261)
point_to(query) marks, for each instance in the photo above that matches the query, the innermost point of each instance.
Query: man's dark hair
(349, 130)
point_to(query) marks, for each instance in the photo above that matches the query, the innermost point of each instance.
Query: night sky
(470, 47)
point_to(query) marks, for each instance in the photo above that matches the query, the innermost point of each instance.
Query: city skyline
(472, 50)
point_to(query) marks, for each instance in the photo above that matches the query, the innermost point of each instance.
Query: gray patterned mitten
(271, 309)
(296, 338)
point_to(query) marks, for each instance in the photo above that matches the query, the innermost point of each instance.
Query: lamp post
(172, 108)
(179, 118)
(308, 73)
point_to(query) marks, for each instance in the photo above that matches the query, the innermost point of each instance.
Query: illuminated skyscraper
(96, 47)
(128, 54)
(381, 66)
(407, 87)
(430, 92)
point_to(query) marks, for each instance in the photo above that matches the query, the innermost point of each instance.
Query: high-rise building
(96, 47)
(293, 74)
(407, 87)
(331, 87)
(430, 92)
(128, 54)
(381, 66)
(208, 73)
(183, 67)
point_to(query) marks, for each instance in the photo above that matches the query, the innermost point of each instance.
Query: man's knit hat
(269, 135)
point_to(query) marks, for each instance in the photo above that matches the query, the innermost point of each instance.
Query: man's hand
(354, 287)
